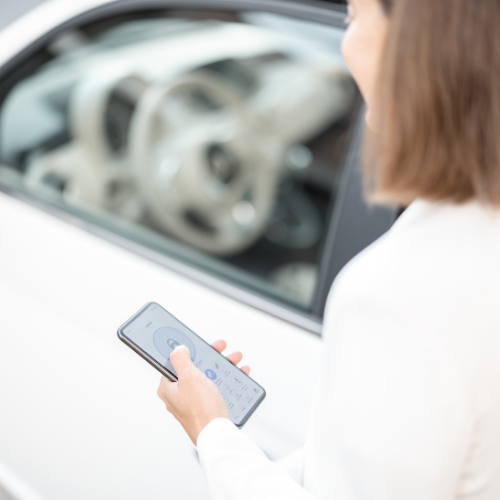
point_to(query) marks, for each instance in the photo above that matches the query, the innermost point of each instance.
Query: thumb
(181, 360)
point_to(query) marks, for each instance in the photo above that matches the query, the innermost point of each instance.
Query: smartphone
(154, 333)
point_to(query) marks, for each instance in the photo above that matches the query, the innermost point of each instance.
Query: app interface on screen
(157, 333)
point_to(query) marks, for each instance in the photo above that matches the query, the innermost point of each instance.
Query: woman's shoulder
(432, 281)
(432, 249)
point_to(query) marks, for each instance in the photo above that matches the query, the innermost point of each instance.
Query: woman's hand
(194, 400)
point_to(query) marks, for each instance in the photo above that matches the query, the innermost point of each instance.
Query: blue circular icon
(211, 374)
(166, 339)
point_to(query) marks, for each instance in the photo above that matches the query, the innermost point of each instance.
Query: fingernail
(180, 348)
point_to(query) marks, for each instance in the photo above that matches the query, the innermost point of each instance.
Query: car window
(216, 140)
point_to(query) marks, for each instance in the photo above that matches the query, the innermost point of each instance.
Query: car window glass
(220, 143)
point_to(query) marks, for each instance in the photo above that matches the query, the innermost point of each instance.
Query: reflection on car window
(221, 143)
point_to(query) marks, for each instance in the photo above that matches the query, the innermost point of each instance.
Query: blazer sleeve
(236, 469)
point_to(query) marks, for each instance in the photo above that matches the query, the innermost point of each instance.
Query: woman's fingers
(163, 389)
(235, 357)
(219, 345)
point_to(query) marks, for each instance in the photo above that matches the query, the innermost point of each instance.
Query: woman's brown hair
(438, 112)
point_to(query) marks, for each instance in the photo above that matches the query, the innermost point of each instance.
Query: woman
(408, 403)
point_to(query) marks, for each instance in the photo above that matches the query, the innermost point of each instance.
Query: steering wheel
(205, 166)
(88, 170)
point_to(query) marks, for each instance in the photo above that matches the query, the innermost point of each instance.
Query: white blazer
(407, 406)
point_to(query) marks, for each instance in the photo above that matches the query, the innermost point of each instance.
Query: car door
(210, 151)
(242, 182)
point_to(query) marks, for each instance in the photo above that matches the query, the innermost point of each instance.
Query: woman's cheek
(354, 53)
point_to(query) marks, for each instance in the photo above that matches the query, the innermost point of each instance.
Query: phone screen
(156, 332)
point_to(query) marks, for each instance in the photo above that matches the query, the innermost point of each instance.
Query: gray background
(12, 9)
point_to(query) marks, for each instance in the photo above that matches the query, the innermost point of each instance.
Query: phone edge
(252, 411)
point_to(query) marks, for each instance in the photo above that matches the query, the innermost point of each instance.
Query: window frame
(348, 211)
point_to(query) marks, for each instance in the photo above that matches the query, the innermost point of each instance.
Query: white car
(199, 153)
